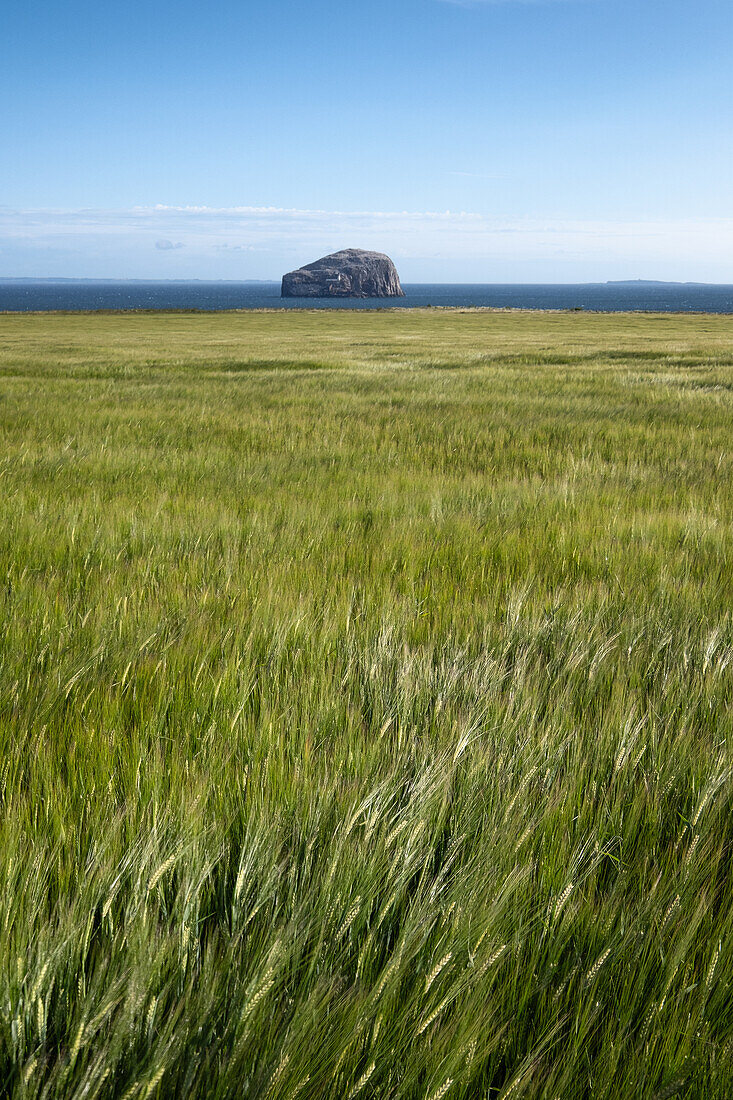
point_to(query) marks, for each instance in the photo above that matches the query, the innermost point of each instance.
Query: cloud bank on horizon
(262, 242)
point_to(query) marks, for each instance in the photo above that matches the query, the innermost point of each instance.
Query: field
(365, 706)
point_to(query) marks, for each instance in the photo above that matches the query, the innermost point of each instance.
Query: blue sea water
(79, 294)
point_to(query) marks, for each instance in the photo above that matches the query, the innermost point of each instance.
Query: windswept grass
(365, 706)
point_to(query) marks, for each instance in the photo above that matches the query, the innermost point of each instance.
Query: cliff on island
(351, 273)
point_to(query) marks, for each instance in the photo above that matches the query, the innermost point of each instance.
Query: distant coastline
(107, 282)
(271, 282)
(654, 282)
(88, 295)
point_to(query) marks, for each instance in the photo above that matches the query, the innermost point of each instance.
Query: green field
(365, 706)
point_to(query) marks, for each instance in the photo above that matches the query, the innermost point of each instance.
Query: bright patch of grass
(365, 706)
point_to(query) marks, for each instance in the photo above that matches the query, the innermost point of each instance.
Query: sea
(25, 295)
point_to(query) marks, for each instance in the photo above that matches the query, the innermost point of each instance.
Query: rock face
(352, 273)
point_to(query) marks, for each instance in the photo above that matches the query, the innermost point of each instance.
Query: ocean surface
(90, 294)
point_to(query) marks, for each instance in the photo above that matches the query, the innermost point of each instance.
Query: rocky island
(351, 273)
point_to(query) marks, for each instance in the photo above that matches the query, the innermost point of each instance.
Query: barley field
(365, 706)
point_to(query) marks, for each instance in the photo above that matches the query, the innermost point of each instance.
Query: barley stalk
(597, 965)
(436, 970)
(362, 1081)
(442, 1090)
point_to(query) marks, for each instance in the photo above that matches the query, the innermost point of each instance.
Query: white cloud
(262, 242)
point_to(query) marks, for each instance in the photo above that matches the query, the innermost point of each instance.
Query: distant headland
(650, 282)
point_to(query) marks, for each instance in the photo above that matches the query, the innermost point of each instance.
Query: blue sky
(485, 140)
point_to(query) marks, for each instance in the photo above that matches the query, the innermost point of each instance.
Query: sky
(472, 140)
